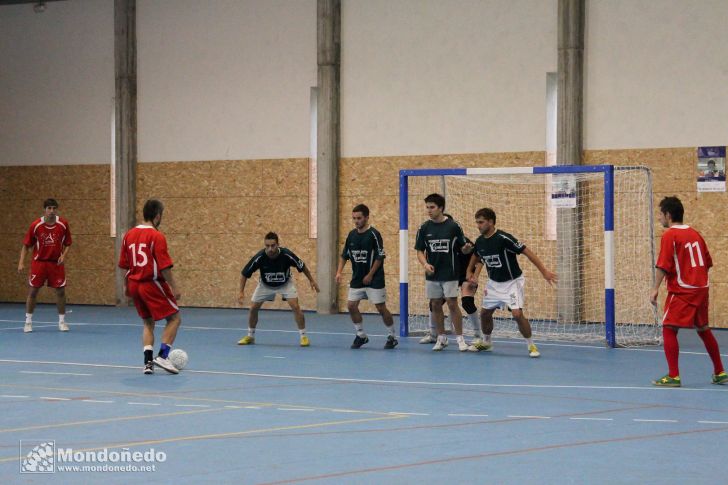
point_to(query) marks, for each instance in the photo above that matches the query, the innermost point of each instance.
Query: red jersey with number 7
(144, 254)
(685, 259)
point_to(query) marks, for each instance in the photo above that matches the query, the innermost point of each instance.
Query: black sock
(148, 356)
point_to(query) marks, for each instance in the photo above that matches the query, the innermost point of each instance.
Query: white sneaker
(28, 327)
(479, 345)
(428, 339)
(165, 364)
(533, 351)
(439, 345)
(63, 327)
(462, 346)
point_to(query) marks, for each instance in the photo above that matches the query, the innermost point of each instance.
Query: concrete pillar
(329, 38)
(125, 156)
(569, 141)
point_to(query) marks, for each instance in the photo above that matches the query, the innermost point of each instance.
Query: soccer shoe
(439, 345)
(428, 339)
(247, 340)
(304, 341)
(63, 327)
(478, 345)
(391, 343)
(165, 364)
(667, 381)
(149, 368)
(720, 379)
(28, 327)
(359, 341)
(462, 346)
(533, 351)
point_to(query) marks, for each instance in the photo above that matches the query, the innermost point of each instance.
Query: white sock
(529, 342)
(149, 347)
(302, 331)
(28, 318)
(359, 329)
(61, 318)
(251, 331)
(390, 330)
(442, 338)
(460, 338)
(475, 322)
(486, 339)
(433, 327)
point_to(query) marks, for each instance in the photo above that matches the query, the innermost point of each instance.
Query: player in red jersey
(684, 261)
(50, 238)
(149, 282)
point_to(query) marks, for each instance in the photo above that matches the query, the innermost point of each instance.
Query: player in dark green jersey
(498, 251)
(436, 243)
(274, 263)
(365, 249)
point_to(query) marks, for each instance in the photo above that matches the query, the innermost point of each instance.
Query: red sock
(672, 350)
(711, 345)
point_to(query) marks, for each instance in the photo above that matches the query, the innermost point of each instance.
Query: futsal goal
(592, 225)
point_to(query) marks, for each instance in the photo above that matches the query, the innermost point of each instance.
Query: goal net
(592, 225)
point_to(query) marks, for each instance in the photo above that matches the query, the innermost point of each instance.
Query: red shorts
(152, 299)
(686, 310)
(47, 271)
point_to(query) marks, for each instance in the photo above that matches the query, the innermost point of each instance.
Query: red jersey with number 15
(685, 258)
(48, 240)
(144, 254)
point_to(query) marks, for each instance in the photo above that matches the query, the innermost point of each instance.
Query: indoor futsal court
(278, 413)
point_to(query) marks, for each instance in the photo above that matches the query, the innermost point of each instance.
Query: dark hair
(486, 213)
(271, 235)
(711, 161)
(50, 203)
(672, 206)
(152, 209)
(361, 208)
(436, 199)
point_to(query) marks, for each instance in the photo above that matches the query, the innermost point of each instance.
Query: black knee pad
(469, 304)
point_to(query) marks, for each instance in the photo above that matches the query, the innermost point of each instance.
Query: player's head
(671, 211)
(271, 244)
(485, 220)
(711, 165)
(50, 208)
(435, 204)
(152, 212)
(360, 216)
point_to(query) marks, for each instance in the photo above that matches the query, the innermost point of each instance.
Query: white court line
(713, 422)
(144, 403)
(252, 407)
(273, 357)
(529, 417)
(387, 381)
(295, 409)
(54, 398)
(192, 405)
(655, 420)
(469, 415)
(593, 419)
(408, 414)
(53, 373)
(13, 396)
(97, 400)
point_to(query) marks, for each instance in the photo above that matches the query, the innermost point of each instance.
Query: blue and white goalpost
(532, 203)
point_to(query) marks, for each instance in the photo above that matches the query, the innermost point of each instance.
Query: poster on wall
(563, 191)
(711, 169)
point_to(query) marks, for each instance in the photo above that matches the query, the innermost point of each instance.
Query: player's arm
(64, 251)
(243, 281)
(314, 285)
(21, 263)
(167, 275)
(378, 260)
(423, 261)
(659, 276)
(340, 268)
(548, 275)
(370, 275)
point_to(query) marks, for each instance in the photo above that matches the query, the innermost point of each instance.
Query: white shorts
(374, 295)
(505, 294)
(441, 289)
(264, 292)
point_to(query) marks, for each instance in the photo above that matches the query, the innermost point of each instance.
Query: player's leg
(457, 321)
(30, 302)
(167, 340)
(61, 307)
(300, 320)
(525, 328)
(352, 305)
(148, 345)
(439, 317)
(378, 296)
(678, 313)
(57, 280)
(711, 346)
(468, 303)
(486, 326)
(431, 336)
(252, 323)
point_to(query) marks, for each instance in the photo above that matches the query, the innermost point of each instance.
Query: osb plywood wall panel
(83, 194)
(375, 182)
(216, 215)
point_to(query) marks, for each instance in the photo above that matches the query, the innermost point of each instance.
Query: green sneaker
(721, 378)
(667, 381)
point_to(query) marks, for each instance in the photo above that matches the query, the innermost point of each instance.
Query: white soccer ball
(179, 358)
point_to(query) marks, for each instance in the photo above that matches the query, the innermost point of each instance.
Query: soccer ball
(178, 357)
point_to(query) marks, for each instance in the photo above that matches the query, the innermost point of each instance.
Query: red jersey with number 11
(144, 254)
(685, 258)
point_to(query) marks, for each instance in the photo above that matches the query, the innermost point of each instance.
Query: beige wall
(218, 211)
